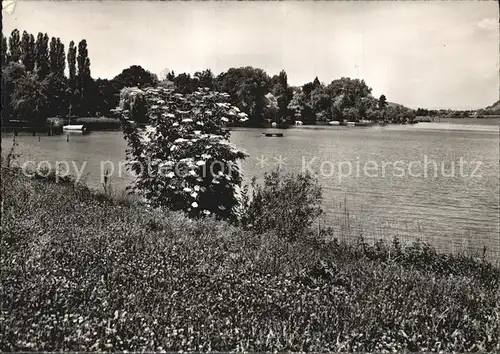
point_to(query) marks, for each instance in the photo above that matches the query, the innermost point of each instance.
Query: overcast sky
(428, 53)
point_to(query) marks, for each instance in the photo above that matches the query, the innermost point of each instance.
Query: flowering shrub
(183, 159)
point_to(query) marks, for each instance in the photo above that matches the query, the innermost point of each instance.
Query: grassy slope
(80, 272)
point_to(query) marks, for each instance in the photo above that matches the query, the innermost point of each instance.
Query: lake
(438, 182)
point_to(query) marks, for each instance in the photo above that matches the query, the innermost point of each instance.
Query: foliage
(85, 86)
(108, 97)
(382, 102)
(4, 50)
(205, 78)
(251, 90)
(58, 95)
(28, 51)
(42, 65)
(72, 67)
(14, 54)
(286, 205)
(57, 57)
(247, 88)
(135, 76)
(77, 282)
(30, 98)
(11, 73)
(183, 160)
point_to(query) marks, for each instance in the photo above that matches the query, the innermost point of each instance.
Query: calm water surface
(454, 209)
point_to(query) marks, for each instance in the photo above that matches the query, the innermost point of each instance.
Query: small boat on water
(334, 122)
(276, 135)
(75, 128)
(351, 124)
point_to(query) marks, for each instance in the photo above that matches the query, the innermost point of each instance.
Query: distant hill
(394, 105)
(494, 108)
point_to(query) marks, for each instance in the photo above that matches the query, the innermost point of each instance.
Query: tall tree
(4, 50)
(57, 57)
(83, 78)
(28, 51)
(284, 94)
(171, 76)
(42, 64)
(382, 102)
(14, 46)
(316, 83)
(83, 62)
(72, 66)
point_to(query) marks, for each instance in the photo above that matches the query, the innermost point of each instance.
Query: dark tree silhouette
(14, 46)
(28, 51)
(136, 76)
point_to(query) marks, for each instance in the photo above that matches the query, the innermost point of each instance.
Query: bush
(287, 204)
(184, 160)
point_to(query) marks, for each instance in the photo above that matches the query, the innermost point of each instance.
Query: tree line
(40, 79)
